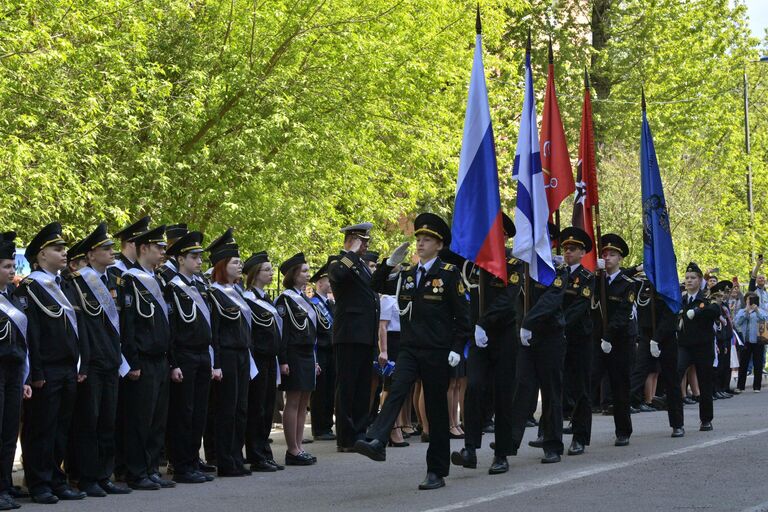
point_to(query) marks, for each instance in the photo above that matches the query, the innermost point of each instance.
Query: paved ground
(723, 470)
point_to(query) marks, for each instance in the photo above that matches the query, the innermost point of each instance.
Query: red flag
(555, 162)
(586, 179)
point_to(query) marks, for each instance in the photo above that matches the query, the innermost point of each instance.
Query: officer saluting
(434, 328)
(355, 335)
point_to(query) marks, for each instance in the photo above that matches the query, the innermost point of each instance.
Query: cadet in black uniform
(617, 341)
(720, 293)
(170, 266)
(491, 362)
(231, 324)
(578, 334)
(146, 335)
(128, 254)
(355, 335)
(55, 345)
(696, 339)
(321, 401)
(266, 325)
(13, 352)
(190, 322)
(93, 430)
(434, 328)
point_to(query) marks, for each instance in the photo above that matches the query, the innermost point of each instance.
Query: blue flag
(532, 243)
(659, 261)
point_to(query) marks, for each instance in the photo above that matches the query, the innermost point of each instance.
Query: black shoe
(489, 428)
(66, 493)
(302, 459)
(111, 488)
(568, 430)
(633, 410)
(17, 492)
(576, 448)
(263, 467)
(162, 482)
(395, 444)
(531, 422)
(621, 441)
(92, 490)
(537, 443)
(307, 440)
(234, 472)
(688, 401)
(345, 449)
(328, 436)
(208, 478)
(550, 458)
(45, 498)
(696, 398)
(205, 467)
(431, 481)
(144, 484)
(279, 467)
(247, 472)
(310, 456)
(465, 458)
(373, 449)
(189, 478)
(678, 432)
(455, 436)
(726, 394)
(499, 466)
(660, 403)
(706, 426)
(7, 502)
(646, 408)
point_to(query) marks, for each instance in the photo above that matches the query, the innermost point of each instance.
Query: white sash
(250, 296)
(119, 264)
(150, 283)
(235, 297)
(53, 289)
(303, 304)
(101, 292)
(195, 294)
(19, 319)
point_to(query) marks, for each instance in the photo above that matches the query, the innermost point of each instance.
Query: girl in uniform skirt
(297, 356)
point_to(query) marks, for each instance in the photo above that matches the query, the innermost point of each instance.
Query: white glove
(606, 346)
(600, 264)
(481, 338)
(525, 337)
(655, 350)
(690, 314)
(398, 255)
(558, 259)
(453, 358)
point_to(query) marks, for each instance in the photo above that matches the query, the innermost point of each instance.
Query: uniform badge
(435, 290)
(128, 300)
(460, 288)
(558, 282)
(409, 279)
(585, 292)
(113, 293)
(701, 306)
(514, 278)
(631, 296)
(281, 310)
(23, 300)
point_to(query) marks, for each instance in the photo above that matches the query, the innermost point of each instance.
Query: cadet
(128, 254)
(355, 335)
(491, 361)
(170, 266)
(617, 340)
(13, 351)
(95, 292)
(146, 335)
(55, 346)
(321, 401)
(434, 328)
(190, 362)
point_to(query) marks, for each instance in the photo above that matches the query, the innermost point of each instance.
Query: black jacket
(545, 315)
(700, 330)
(228, 326)
(621, 326)
(265, 336)
(13, 347)
(298, 329)
(666, 319)
(190, 332)
(144, 327)
(357, 304)
(500, 315)
(439, 311)
(577, 304)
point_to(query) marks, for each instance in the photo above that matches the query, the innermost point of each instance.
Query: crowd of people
(112, 363)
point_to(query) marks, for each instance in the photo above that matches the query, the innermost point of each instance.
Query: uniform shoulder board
(75, 274)
(27, 281)
(449, 266)
(346, 261)
(512, 261)
(628, 279)
(586, 273)
(119, 281)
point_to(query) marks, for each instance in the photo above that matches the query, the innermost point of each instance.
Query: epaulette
(586, 273)
(513, 261)
(27, 281)
(628, 279)
(119, 281)
(346, 261)
(449, 266)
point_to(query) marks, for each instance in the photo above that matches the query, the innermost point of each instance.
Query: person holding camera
(747, 320)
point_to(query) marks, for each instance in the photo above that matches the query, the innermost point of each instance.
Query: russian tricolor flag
(477, 230)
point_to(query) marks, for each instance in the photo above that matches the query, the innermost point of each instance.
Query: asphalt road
(722, 470)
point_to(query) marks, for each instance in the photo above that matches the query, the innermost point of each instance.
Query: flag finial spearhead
(551, 55)
(586, 78)
(528, 44)
(642, 97)
(478, 25)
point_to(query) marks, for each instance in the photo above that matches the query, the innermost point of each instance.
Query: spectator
(747, 320)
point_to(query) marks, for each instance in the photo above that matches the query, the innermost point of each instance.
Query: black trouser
(10, 412)
(618, 364)
(431, 367)
(671, 381)
(723, 372)
(209, 436)
(701, 356)
(44, 433)
(146, 413)
(644, 365)
(261, 404)
(321, 401)
(232, 411)
(490, 373)
(540, 366)
(578, 364)
(188, 410)
(754, 352)
(93, 432)
(600, 386)
(354, 367)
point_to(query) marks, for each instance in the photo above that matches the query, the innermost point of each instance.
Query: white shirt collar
(261, 293)
(54, 276)
(574, 267)
(611, 277)
(428, 265)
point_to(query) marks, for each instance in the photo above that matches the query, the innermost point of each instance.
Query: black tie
(58, 281)
(422, 276)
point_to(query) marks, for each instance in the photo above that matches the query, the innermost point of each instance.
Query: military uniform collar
(431, 264)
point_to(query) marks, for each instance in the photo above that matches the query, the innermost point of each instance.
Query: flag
(477, 230)
(586, 179)
(555, 162)
(659, 261)
(532, 244)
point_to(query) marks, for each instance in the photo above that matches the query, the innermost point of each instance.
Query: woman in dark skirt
(265, 342)
(297, 356)
(231, 333)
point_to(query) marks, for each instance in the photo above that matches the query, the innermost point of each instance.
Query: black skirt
(301, 365)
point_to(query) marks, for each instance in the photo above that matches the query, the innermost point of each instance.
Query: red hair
(219, 274)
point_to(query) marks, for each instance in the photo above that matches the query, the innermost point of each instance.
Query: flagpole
(526, 290)
(558, 249)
